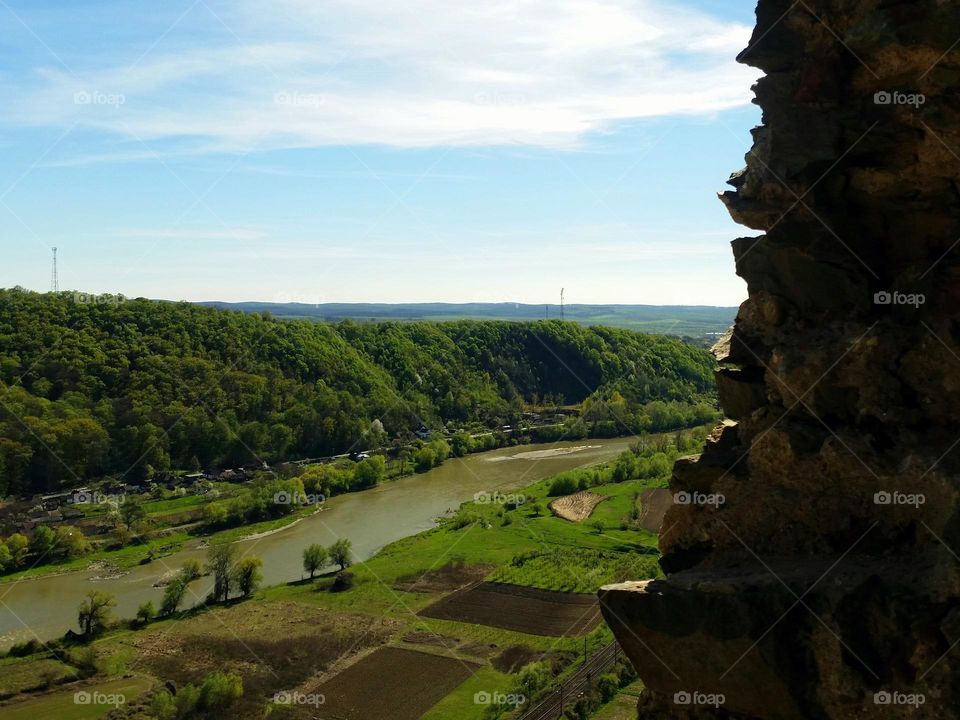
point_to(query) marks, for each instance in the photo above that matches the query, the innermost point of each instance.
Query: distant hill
(685, 320)
(131, 386)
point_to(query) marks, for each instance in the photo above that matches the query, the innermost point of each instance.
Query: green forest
(132, 387)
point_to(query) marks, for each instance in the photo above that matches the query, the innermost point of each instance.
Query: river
(46, 607)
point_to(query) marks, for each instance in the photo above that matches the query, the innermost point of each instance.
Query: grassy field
(297, 636)
(63, 704)
(22, 675)
(623, 706)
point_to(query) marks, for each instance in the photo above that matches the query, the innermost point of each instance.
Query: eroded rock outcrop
(812, 567)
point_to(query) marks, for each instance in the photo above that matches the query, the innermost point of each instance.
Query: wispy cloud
(190, 235)
(423, 73)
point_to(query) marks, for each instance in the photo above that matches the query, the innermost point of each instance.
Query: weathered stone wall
(826, 584)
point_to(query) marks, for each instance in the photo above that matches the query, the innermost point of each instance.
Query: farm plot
(272, 646)
(392, 682)
(451, 576)
(521, 609)
(576, 507)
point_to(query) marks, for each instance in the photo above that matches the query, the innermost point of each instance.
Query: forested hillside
(135, 386)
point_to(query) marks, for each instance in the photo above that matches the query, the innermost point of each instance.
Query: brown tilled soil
(391, 683)
(514, 658)
(653, 506)
(451, 576)
(522, 609)
(423, 637)
(274, 647)
(576, 507)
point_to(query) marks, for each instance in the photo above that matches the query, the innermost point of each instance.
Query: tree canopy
(140, 386)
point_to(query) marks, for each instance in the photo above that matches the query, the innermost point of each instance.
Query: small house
(423, 432)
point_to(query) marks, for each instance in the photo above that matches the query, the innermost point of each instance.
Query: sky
(370, 151)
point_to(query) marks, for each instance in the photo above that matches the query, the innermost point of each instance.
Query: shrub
(145, 612)
(23, 649)
(562, 485)
(608, 684)
(343, 581)
(370, 472)
(191, 570)
(464, 518)
(162, 706)
(425, 459)
(219, 691)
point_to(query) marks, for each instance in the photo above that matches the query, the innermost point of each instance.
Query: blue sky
(365, 151)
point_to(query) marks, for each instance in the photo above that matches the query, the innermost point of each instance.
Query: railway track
(569, 691)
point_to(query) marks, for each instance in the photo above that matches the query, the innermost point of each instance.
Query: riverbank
(372, 519)
(334, 631)
(165, 540)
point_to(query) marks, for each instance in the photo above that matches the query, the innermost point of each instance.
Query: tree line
(136, 387)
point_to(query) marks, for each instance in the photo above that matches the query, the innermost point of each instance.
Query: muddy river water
(46, 607)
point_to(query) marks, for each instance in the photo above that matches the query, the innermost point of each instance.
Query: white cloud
(308, 73)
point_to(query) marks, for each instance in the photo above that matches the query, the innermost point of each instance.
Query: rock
(741, 390)
(810, 567)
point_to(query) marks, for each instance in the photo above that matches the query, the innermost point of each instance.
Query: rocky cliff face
(813, 567)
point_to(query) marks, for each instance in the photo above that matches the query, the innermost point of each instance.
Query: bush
(343, 581)
(424, 459)
(465, 517)
(608, 684)
(370, 472)
(533, 678)
(219, 691)
(563, 485)
(145, 612)
(191, 570)
(162, 706)
(23, 649)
